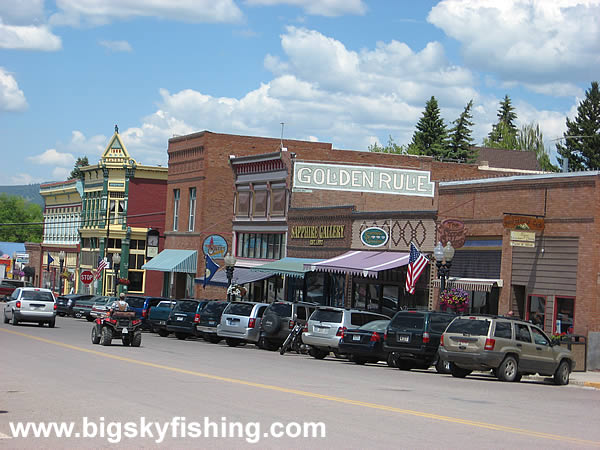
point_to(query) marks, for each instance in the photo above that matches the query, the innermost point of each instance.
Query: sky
(349, 72)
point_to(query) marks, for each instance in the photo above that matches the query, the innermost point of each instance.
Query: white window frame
(192, 216)
(176, 197)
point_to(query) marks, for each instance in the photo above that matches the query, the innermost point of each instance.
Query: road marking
(347, 401)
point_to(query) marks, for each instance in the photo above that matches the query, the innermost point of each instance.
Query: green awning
(293, 267)
(171, 260)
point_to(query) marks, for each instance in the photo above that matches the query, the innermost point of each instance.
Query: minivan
(240, 322)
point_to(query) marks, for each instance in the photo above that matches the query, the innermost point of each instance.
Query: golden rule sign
(380, 180)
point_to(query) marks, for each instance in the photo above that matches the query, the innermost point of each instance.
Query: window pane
(278, 202)
(564, 315)
(260, 203)
(264, 245)
(270, 247)
(537, 310)
(243, 204)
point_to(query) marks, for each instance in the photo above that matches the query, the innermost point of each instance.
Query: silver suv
(510, 348)
(27, 304)
(240, 322)
(326, 326)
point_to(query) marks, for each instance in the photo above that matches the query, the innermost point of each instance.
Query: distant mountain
(30, 192)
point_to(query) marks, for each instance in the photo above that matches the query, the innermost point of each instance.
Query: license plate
(125, 331)
(180, 318)
(211, 322)
(321, 330)
(233, 324)
(161, 322)
(403, 338)
(356, 337)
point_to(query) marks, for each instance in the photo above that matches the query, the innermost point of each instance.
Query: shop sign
(22, 258)
(215, 246)
(316, 234)
(454, 231)
(374, 237)
(516, 222)
(379, 180)
(522, 238)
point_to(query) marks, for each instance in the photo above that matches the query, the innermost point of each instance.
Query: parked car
(142, 305)
(83, 307)
(8, 286)
(240, 322)
(28, 304)
(101, 306)
(327, 324)
(210, 319)
(184, 317)
(511, 348)
(365, 344)
(413, 339)
(65, 303)
(158, 316)
(279, 320)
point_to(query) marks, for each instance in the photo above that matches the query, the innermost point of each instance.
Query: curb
(591, 384)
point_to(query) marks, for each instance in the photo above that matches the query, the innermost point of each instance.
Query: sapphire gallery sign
(380, 180)
(374, 237)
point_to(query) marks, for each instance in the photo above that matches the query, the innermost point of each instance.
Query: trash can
(578, 345)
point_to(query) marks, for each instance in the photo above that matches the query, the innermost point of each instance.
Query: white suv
(28, 304)
(326, 326)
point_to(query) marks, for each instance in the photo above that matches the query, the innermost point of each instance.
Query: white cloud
(30, 37)
(24, 178)
(61, 173)
(532, 41)
(99, 12)
(329, 8)
(11, 97)
(52, 157)
(116, 46)
(21, 12)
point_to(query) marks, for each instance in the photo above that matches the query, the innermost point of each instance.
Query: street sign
(86, 277)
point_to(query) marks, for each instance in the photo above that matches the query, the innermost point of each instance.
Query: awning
(240, 276)
(171, 260)
(360, 262)
(470, 284)
(293, 267)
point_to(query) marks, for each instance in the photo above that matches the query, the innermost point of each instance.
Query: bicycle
(294, 340)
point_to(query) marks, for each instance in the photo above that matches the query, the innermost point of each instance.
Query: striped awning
(470, 284)
(172, 260)
(241, 275)
(361, 263)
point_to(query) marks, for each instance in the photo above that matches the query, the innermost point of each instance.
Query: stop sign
(86, 277)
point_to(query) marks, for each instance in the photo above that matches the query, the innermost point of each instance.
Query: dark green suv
(413, 337)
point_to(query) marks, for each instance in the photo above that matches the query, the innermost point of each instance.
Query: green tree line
(16, 210)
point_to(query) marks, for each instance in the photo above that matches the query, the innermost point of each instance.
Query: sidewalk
(591, 378)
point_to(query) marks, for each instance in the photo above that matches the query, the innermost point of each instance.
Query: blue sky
(350, 72)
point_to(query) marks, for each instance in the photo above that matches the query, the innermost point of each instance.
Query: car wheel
(508, 369)
(40, 324)
(561, 376)
(52, 323)
(106, 336)
(442, 366)
(15, 321)
(391, 360)
(163, 333)
(318, 354)
(271, 323)
(458, 372)
(181, 336)
(95, 336)
(232, 342)
(137, 339)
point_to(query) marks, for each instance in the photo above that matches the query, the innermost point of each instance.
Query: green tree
(391, 147)
(76, 172)
(15, 210)
(506, 123)
(530, 139)
(460, 141)
(430, 137)
(581, 142)
(504, 138)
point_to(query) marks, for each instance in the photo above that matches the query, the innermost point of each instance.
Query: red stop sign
(86, 277)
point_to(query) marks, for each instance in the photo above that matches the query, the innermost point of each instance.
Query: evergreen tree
(391, 147)
(506, 123)
(76, 172)
(504, 137)
(530, 139)
(430, 137)
(460, 142)
(581, 142)
(15, 210)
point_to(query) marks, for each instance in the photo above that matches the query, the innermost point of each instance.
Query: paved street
(58, 375)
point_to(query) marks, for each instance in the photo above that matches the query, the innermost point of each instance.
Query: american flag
(102, 263)
(416, 264)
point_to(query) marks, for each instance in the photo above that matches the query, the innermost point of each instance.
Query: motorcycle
(294, 341)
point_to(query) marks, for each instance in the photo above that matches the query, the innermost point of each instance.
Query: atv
(119, 324)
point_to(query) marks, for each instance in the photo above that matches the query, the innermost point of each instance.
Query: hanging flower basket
(123, 281)
(454, 299)
(236, 290)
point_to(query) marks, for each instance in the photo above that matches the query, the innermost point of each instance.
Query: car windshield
(472, 327)
(239, 309)
(327, 315)
(376, 325)
(408, 322)
(186, 306)
(41, 296)
(214, 307)
(281, 309)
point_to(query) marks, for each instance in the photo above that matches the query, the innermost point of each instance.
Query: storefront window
(565, 313)
(536, 311)
(260, 203)
(315, 283)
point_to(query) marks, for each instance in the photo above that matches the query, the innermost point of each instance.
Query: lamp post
(443, 261)
(229, 268)
(116, 259)
(61, 260)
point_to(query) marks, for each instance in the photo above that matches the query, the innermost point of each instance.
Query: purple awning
(359, 262)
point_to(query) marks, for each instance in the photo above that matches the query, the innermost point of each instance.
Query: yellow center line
(347, 401)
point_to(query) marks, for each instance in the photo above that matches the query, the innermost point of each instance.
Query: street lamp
(116, 263)
(229, 267)
(61, 260)
(443, 261)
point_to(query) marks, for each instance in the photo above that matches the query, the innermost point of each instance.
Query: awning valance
(470, 284)
(293, 267)
(240, 276)
(360, 262)
(172, 260)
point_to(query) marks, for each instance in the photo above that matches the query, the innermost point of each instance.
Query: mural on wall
(454, 231)
(401, 232)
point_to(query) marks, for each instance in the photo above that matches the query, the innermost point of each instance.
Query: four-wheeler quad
(119, 324)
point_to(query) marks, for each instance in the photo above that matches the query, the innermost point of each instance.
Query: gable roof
(115, 151)
(507, 159)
